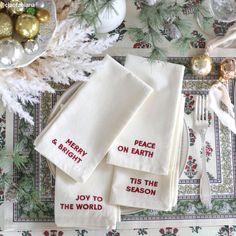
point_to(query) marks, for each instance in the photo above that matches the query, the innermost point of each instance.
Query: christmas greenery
(161, 21)
(164, 18)
(24, 190)
(88, 11)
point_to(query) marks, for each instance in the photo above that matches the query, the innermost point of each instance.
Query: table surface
(188, 186)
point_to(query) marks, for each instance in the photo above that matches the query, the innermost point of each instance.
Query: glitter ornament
(201, 65)
(16, 7)
(27, 26)
(228, 69)
(31, 10)
(31, 46)
(40, 4)
(43, 15)
(11, 52)
(6, 26)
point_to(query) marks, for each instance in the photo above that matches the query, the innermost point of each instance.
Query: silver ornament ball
(40, 4)
(11, 52)
(31, 46)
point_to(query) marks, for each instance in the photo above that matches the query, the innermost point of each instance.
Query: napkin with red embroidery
(79, 136)
(86, 205)
(139, 189)
(147, 141)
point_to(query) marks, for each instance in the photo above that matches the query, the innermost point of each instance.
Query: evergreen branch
(183, 26)
(19, 159)
(157, 54)
(138, 35)
(5, 180)
(183, 44)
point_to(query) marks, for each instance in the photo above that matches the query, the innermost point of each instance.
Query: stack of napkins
(151, 142)
(144, 190)
(146, 143)
(135, 115)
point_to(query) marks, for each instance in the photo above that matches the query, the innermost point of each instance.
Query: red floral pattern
(142, 44)
(168, 231)
(53, 233)
(189, 103)
(209, 151)
(191, 167)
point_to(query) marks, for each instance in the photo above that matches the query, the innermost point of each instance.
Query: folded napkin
(79, 136)
(145, 142)
(86, 204)
(139, 189)
(218, 95)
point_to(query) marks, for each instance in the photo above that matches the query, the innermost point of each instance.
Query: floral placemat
(223, 230)
(189, 211)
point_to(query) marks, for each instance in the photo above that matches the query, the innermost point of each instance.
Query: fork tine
(203, 107)
(196, 108)
(207, 108)
(201, 115)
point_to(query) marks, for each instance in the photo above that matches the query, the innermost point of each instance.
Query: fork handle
(205, 188)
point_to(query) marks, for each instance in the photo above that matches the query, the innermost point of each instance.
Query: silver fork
(201, 125)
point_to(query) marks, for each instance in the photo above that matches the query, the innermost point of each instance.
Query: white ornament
(31, 46)
(11, 52)
(110, 19)
(40, 4)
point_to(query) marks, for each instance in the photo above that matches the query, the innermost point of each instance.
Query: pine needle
(19, 159)
(157, 54)
(183, 44)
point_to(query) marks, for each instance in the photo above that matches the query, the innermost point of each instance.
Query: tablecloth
(221, 158)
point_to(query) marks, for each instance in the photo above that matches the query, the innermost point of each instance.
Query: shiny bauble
(110, 19)
(16, 7)
(40, 4)
(31, 10)
(228, 68)
(31, 46)
(6, 26)
(2, 5)
(11, 52)
(43, 15)
(27, 26)
(201, 65)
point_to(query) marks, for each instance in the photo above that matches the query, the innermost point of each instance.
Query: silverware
(201, 125)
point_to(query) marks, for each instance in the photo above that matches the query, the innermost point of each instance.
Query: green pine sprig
(17, 158)
(88, 11)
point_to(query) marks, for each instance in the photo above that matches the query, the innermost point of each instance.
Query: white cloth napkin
(134, 188)
(218, 94)
(145, 142)
(79, 136)
(86, 204)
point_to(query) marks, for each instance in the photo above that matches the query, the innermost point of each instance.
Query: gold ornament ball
(27, 26)
(43, 15)
(201, 65)
(16, 7)
(228, 68)
(6, 26)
